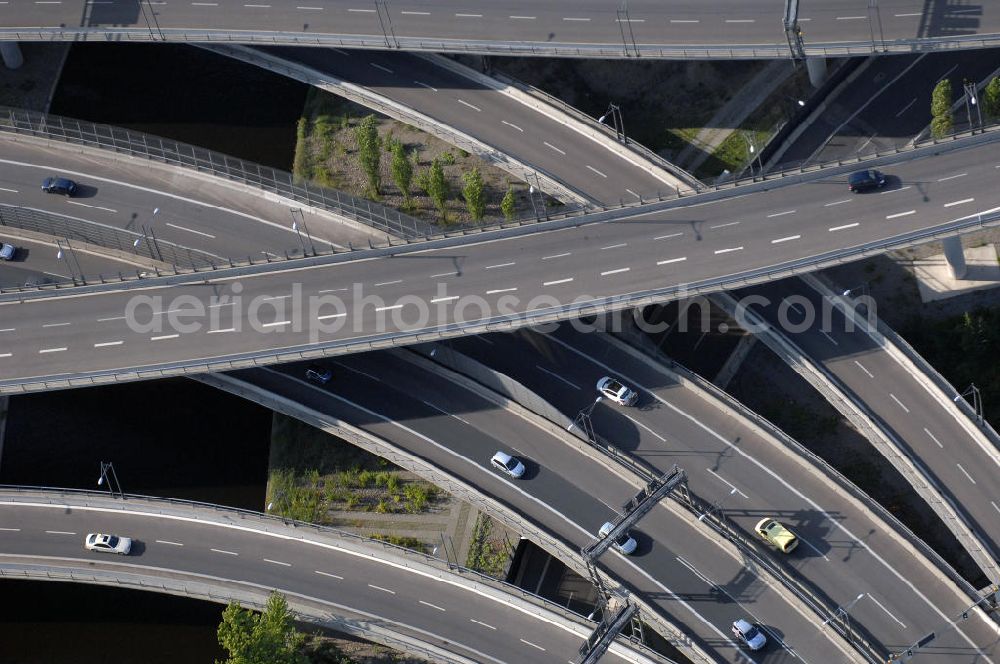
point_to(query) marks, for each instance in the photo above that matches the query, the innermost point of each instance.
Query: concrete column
(955, 256)
(817, 71)
(11, 54)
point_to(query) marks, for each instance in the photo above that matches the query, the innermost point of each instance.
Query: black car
(865, 180)
(59, 186)
(318, 374)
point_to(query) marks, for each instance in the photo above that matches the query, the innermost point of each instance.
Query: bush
(941, 120)
(991, 99)
(508, 205)
(300, 163)
(438, 189)
(475, 194)
(369, 154)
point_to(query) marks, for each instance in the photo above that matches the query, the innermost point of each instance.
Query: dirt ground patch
(327, 154)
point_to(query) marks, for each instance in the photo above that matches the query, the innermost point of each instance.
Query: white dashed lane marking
(901, 404)
(965, 472)
(385, 590)
(933, 437)
(228, 553)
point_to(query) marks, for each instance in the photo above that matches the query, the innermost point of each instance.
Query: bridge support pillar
(11, 54)
(817, 71)
(955, 256)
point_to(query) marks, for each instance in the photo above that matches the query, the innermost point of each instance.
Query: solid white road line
(500, 290)
(6, 354)
(441, 299)
(168, 542)
(727, 483)
(385, 590)
(13, 191)
(164, 336)
(933, 437)
(862, 367)
(469, 15)
(482, 623)
(378, 66)
(569, 18)
(493, 267)
(105, 344)
(277, 323)
(228, 329)
(726, 251)
(429, 87)
(465, 103)
(901, 404)
(965, 472)
(952, 177)
(512, 125)
(905, 108)
(277, 562)
(545, 258)
(731, 223)
(549, 145)
(557, 282)
(443, 274)
(395, 306)
(596, 171)
(532, 644)
(389, 283)
(411, 13)
(523, 18)
(887, 611)
(52, 350)
(780, 214)
(786, 239)
(59, 532)
(433, 606)
(640, 424)
(671, 260)
(329, 316)
(621, 269)
(831, 339)
(11, 530)
(228, 553)
(995, 506)
(846, 200)
(557, 377)
(954, 203)
(900, 214)
(56, 324)
(190, 230)
(610, 246)
(845, 226)
(332, 576)
(666, 237)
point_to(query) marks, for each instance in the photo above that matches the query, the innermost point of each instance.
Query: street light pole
(977, 400)
(107, 478)
(842, 611)
(583, 423)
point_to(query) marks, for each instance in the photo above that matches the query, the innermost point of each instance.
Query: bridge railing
(282, 183)
(625, 49)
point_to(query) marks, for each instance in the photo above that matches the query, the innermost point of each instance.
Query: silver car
(107, 543)
(507, 464)
(617, 392)
(748, 634)
(7, 251)
(625, 543)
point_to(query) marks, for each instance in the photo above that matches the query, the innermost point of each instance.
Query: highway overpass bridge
(492, 280)
(383, 593)
(685, 29)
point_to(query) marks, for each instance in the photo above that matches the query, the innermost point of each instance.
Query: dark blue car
(865, 180)
(59, 186)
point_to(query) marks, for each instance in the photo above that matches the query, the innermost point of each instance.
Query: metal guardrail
(990, 134)
(540, 179)
(221, 593)
(282, 183)
(72, 228)
(495, 509)
(268, 523)
(153, 33)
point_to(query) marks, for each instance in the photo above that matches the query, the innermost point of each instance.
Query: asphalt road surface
(461, 621)
(571, 25)
(845, 550)
(961, 467)
(494, 118)
(676, 569)
(424, 289)
(40, 263)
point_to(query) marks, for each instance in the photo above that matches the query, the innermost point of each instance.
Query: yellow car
(777, 535)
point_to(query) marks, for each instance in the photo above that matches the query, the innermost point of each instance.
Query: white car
(748, 634)
(617, 392)
(107, 543)
(625, 543)
(507, 464)
(7, 251)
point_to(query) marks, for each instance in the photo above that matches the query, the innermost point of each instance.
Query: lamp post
(970, 103)
(716, 507)
(109, 476)
(582, 421)
(842, 611)
(977, 400)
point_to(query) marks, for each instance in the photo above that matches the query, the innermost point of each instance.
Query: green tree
(269, 637)
(991, 99)
(941, 120)
(402, 171)
(508, 205)
(370, 154)
(437, 188)
(475, 194)
(300, 163)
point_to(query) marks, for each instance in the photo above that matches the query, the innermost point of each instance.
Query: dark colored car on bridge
(865, 180)
(59, 186)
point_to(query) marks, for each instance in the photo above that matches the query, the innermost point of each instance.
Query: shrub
(475, 194)
(508, 205)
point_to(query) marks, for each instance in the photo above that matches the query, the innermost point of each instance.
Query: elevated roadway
(678, 570)
(846, 549)
(513, 277)
(682, 29)
(401, 598)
